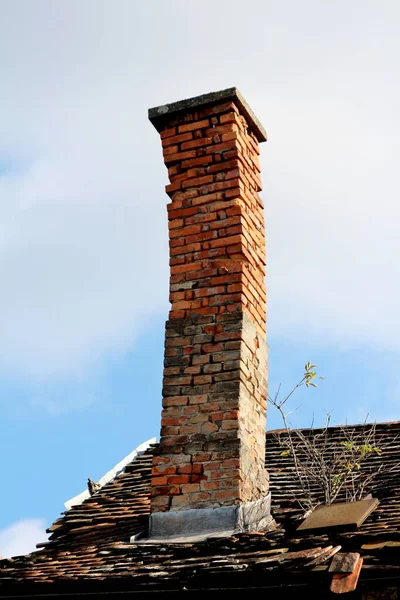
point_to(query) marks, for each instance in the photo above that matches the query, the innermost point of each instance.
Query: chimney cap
(158, 114)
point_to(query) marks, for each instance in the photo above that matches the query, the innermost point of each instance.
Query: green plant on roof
(327, 468)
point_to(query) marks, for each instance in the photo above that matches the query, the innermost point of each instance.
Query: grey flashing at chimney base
(200, 523)
(158, 114)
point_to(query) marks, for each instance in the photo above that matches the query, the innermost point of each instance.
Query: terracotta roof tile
(91, 540)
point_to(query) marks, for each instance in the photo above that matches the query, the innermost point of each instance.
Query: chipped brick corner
(212, 447)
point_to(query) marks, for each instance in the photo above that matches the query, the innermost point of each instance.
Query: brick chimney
(209, 472)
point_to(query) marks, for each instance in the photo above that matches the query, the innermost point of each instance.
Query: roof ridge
(333, 427)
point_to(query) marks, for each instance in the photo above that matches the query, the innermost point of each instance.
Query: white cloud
(21, 537)
(83, 250)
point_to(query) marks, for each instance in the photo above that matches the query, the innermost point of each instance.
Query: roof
(90, 542)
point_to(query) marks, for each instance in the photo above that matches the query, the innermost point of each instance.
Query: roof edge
(112, 473)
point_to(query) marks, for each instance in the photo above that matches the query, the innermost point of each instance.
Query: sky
(83, 228)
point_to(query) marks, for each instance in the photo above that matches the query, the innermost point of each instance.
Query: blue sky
(83, 234)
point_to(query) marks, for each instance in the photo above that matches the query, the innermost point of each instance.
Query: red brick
(201, 218)
(200, 497)
(220, 147)
(230, 425)
(209, 428)
(166, 431)
(170, 150)
(218, 109)
(208, 310)
(229, 136)
(185, 231)
(227, 241)
(163, 470)
(166, 421)
(159, 481)
(160, 460)
(192, 126)
(210, 291)
(210, 348)
(205, 141)
(217, 261)
(185, 249)
(201, 160)
(178, 479)
(178, 501)
(167, 132)
(198, 399)
(220, 129)
(201, 458)
(232, 462)
(202, 379)
(230, 117)
(173, 170)
(179, 156)
(176, 296)
(227, 494)
(213, 329)
(199, 418)
(201, 359)
(201, 237)
(190, 487)
(209, 485)
(175, 223)
(186, 304)
(185, 469)
(223, 223)
(197, 468)
(192, 370)
(197, 181)
(176, 139)
(176, 314)
(175, 400)
(189, 429)
(169, 490)
(185, 268)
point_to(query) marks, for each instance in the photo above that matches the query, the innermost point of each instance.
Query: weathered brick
(209, 485)
(200, 497)
(185, 469)
(195, 182)
(176, 139)
(201, 458)
(198, 399)
(178, 479)
(190, 487)
(217, 263)
(209, 428)
(199, 418)
(168, 132)
(175, 401)
(179, 156)
(196, 125)
(167, 490)
(227, 494)
(159, 481)
(218, 109)
(163, 470)
(196, 143)
(229, 424)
